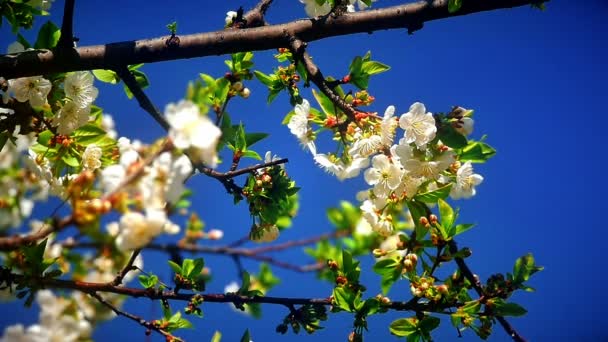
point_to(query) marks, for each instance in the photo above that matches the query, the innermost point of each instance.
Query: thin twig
(298, 49)
(135, 318)
(143, 100)
(66, 40)
(126, 269)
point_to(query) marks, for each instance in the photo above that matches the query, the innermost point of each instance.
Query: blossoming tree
(123, 197)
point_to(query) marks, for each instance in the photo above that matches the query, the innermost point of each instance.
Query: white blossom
(466, 180)
(419, 125)
(230, 16)
(78, 87)
(190, 129)
(466, 127)
(91, 157)
(137, 230)
(388, 126)
(314, 10)
(34, 89)
(71, 117)
(107, 123)
(384, 175)
(298, 123)
(338, 168)
(364, 147)
(380, 222)
(164, 180)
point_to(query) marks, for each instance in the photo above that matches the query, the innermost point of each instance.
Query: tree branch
(66, 40)
(115, 55)
(143, 100)
(298, 49)
(139, 320)
(125, 270)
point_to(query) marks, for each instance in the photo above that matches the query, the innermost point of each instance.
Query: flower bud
(433, 219)
(215, 234)
(238, 86)
(245, 93)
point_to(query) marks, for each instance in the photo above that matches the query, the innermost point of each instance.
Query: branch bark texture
(114, 55)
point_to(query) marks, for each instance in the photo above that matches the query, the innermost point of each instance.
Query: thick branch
(114, 55)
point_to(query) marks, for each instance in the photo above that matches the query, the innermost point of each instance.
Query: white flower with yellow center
(366, 146)
(338, 168)
(419, 125)
(91, 158)
(190, 129)
(78, 87)
(466, 180)
(34, 89)
(384, 175)
(71, 117)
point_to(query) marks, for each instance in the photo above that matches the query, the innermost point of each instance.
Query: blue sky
(536, 81)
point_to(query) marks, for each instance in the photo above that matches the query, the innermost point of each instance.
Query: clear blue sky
(537, 83)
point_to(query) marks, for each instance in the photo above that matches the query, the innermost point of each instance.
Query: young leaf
(48, 36)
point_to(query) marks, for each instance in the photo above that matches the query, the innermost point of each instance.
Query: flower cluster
(418, 163)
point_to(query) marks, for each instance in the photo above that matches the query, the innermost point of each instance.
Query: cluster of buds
(60, 139)
(236, 85)
(87, 211)
(498, 286)
(289, 76)
(362, 98)
(409, 262)
(383, 299)
(194, 305)
(423, 287)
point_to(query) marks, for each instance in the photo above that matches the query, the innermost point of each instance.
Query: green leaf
(246, 336)
(44, 137)
(373, 67)
(148, 281)
(461, 228)
(435, 195)
(217, 337)
(471, 307)
(429, 323)
(476, 152)
(454, 5)
(175, 267)
(501, 308)
(447, 214)
(107, 76)
(403, 326)
(451, 137)
(251, 154)
(48, 36)
(198, 265)
(524, 268)
(70, 160)
(343, 299)
(252, 138)
(327, 106)
(267, 80)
